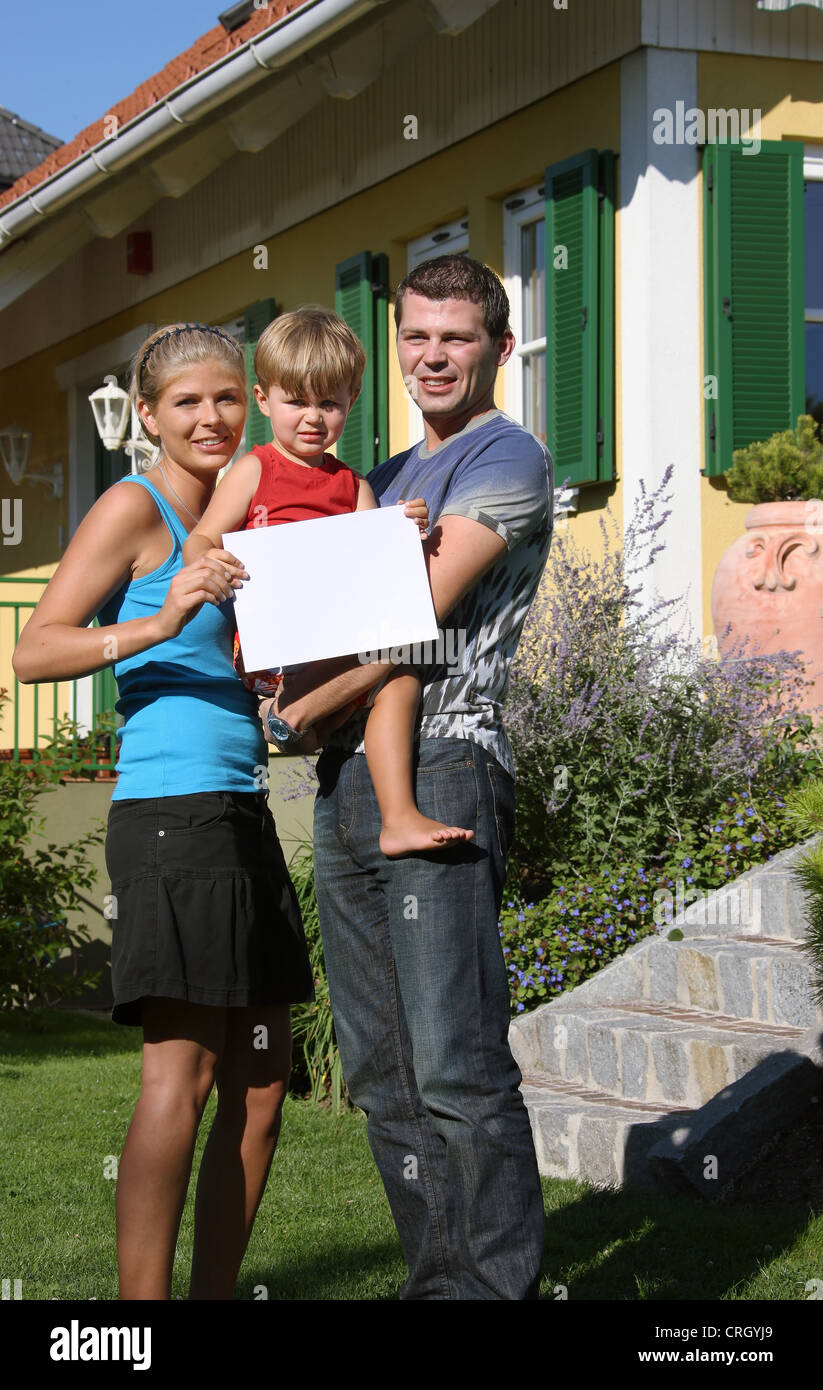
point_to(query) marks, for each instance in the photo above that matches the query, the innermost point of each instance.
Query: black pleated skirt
(203, 908)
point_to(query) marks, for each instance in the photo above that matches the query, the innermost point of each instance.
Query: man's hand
(418, 512)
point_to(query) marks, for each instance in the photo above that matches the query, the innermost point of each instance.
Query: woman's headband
(172, 333)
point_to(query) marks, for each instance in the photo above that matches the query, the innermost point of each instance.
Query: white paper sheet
(330, 587)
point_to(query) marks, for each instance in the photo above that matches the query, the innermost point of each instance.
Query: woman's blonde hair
(170, 350)
(309, 349)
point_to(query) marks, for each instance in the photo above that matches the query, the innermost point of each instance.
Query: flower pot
(769, 587)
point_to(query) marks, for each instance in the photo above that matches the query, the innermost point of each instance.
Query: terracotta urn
(769, 587)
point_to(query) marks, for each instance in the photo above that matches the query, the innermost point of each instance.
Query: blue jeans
(421, 1009)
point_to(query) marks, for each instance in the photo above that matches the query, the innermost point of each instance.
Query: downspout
(290, 37)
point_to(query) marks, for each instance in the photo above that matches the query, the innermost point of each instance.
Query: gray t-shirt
(498, 474)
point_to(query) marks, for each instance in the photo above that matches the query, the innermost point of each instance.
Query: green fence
(37, 710)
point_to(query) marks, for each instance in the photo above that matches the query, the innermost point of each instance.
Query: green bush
(39, 886)
(626, 737)
(786, 467)
(587, 920)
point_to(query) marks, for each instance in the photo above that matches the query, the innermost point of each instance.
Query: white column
(659, 325)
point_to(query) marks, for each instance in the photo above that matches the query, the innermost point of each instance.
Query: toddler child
(309, 366)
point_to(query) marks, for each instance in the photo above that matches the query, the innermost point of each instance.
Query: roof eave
(287, 39)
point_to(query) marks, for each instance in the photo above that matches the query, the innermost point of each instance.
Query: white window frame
(519, 209)
(812, 173)
(449, 240)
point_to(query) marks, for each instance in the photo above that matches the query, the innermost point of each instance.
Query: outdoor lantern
(111, 408)
(15, 443)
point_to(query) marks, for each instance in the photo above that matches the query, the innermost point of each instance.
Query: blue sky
(63, 63)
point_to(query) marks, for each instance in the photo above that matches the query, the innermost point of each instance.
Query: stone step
(767, 980)
(765, 899)
(583, 1132)
(580, 1132)
(674, 1064)
(642, 1051)
(742, 976)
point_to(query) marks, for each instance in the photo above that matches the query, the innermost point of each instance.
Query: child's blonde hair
(309, 349)
(169, 350)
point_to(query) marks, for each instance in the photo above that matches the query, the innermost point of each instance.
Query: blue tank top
(190, 724)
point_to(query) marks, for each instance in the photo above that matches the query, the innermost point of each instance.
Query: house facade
(646, 176)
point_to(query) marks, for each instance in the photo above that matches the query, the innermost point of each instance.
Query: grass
(68, 1085)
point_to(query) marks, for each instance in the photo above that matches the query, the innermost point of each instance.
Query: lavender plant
(626, 738)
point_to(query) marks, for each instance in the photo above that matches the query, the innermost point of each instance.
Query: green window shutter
(361, 292)
(605, 290)
(580, 316)
(753, 294)
(255, 319)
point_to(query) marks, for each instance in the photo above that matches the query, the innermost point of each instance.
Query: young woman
(208, 947)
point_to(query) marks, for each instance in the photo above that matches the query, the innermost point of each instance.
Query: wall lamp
(15, 448)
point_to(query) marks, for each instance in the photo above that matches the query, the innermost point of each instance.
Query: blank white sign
(331, 587)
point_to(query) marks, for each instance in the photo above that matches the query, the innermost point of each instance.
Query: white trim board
(659, 325)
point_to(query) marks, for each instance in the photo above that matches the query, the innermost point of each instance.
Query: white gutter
(289, 37)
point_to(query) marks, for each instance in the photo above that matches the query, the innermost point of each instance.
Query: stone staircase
(675, 1064)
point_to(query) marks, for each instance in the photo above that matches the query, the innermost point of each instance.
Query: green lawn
(68, 1086)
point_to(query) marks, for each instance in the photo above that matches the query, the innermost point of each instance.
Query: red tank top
(292, 492)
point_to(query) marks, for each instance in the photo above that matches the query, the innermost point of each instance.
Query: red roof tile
(208, 49)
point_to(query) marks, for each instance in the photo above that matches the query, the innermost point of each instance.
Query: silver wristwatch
(286, 737)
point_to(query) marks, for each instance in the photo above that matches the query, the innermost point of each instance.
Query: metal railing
(88, 702)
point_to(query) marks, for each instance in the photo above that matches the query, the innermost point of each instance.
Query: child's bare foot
(416, 833)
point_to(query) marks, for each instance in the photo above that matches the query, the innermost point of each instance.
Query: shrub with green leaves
(39, 886)
(786, 467)
(586, 921)
(626, 737)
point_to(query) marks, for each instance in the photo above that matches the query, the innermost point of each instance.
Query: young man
(418, 984)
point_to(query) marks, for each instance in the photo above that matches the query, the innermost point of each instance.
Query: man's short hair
(309, 349)
(458, 277)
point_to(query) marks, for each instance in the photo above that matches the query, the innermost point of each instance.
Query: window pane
(813, 223)
(814, 373)
(532, 276)
(534, 393)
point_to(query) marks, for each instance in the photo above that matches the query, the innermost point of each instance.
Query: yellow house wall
(788, 94)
